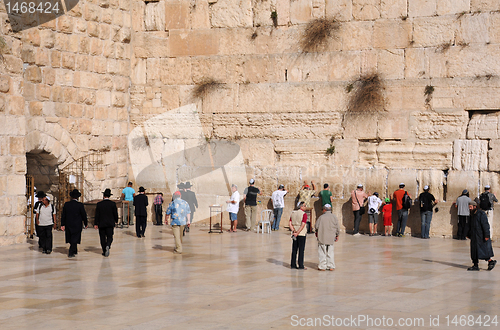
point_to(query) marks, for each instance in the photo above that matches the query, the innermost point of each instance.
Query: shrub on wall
(367, 94)
(317, 33)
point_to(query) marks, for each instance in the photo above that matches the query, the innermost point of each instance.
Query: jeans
(300, 245)
(402, 217)
(426, 218)
(357, 220)
(277, 218)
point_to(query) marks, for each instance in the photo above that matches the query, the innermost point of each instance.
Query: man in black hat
(141, 212)
(106, 216)
(190, 197)
(72, 220)
(480, 239)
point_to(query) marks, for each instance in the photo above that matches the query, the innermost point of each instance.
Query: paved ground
(243, 281)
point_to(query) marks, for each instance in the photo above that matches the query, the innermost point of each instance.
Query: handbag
(361, 208)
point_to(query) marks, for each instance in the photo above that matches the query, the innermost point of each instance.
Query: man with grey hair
(327, 231)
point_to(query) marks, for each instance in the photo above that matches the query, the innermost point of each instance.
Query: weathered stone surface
(360, 125)
(494, 155)
(392, 33)
(346, 151)
(484, 5)
(418, 8)
(415, 155)
(434, 31)
(470, 155)
(366, 10)
(447, 7)
(154, 16)
(393, 8)
(442, 126)
(484, 126)
(474, 29)
(405, 176)
(435, 179)
(229, 14)
(301, 11)
(391, 63)
(357, 35)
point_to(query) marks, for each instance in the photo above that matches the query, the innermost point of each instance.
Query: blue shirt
(178, 211)
(129, 193)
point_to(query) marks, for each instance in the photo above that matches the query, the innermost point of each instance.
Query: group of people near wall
(74, 217)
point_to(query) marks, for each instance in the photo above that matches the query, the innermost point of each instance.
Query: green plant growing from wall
(428, 91)
(317, 33)
(367, 94)
(331, 149)
(274, 17)
(207, 85)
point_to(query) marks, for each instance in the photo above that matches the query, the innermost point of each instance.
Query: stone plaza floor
(243, 280)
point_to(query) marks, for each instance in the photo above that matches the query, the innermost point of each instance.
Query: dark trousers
(106, 236)
(357, 221)
(73, 248)
(462, 226)
(402, 218)
(45, 237)
(158, 214)
(73, 237)
(298, 244)
(140, 225)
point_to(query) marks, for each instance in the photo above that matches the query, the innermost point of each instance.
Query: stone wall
(126, 78)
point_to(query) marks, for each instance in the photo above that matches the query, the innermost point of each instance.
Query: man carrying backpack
(486, 200)
(403, 204)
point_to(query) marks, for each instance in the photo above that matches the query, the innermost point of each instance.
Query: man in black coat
(106, 216)
(190, 197)
(72, 219)
(480, 241)
(141, 212)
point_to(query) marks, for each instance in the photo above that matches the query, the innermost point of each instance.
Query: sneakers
(491, 264)
(475, 268)
(357, 234)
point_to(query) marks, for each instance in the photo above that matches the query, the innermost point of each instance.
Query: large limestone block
(415, 155)
(433, 155)
(457, 181)
(484, 126)
(176, 14)
(150, 44)
(339, 9)
(346, 151)
(209, 67)
(417, 8)
(375, 180)
(391, 63)
(176, 71)
(440, 126)
(492, 179)
(343, 66)
(368, 154)
(258, 152)
(392, 33)
(477, 98)
(230, 14)
(220, 100)
(366, 10)
(262, 12)
(494, 155)
(308, 67)
(139, 71)
(484, 5)
(474, 29)
(301, 11)
(154, 16)
(434, 31)
(283, 11)
(415, 66)
(394, 125)
(435, 179)
(236, 41)
(331, 98)
(393, 8)
(360, 125)
(494, 29)
(357, 35)
(195, 42)
(200, 15)
(470, 155)
(406, 176)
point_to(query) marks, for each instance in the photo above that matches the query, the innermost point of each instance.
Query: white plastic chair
(265, 218)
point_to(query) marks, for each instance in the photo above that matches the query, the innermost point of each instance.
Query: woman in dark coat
(480, 242)
(72, 219)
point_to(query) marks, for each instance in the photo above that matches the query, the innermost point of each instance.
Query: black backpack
(484, 201)
(406, 201)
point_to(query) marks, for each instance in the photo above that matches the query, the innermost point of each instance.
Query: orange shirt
(398, 196)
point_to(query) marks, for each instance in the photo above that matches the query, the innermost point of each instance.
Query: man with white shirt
(45, 220)
(233, 205)
(374, 204)
(278, 205)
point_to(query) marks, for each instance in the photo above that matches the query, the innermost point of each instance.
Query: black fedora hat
(142, 189)
(40, 194)
(107, 192)
(181, 185)
(187, 185)
(75, 194)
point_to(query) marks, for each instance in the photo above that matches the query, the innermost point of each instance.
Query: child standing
(387, 211)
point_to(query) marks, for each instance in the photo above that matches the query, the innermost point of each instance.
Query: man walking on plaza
(480, 239)
(45, 220)
(327, 230)
(298, 221)
(427, 202)
(106, 216)
(72, 220)
(158, 205)
(180, 216)
(190, 197)
(278, 204)
(463, 212)
(128, 194)
(141, 212)
(358, 198)
(486, 202)
(250, 198)
(398, 197)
